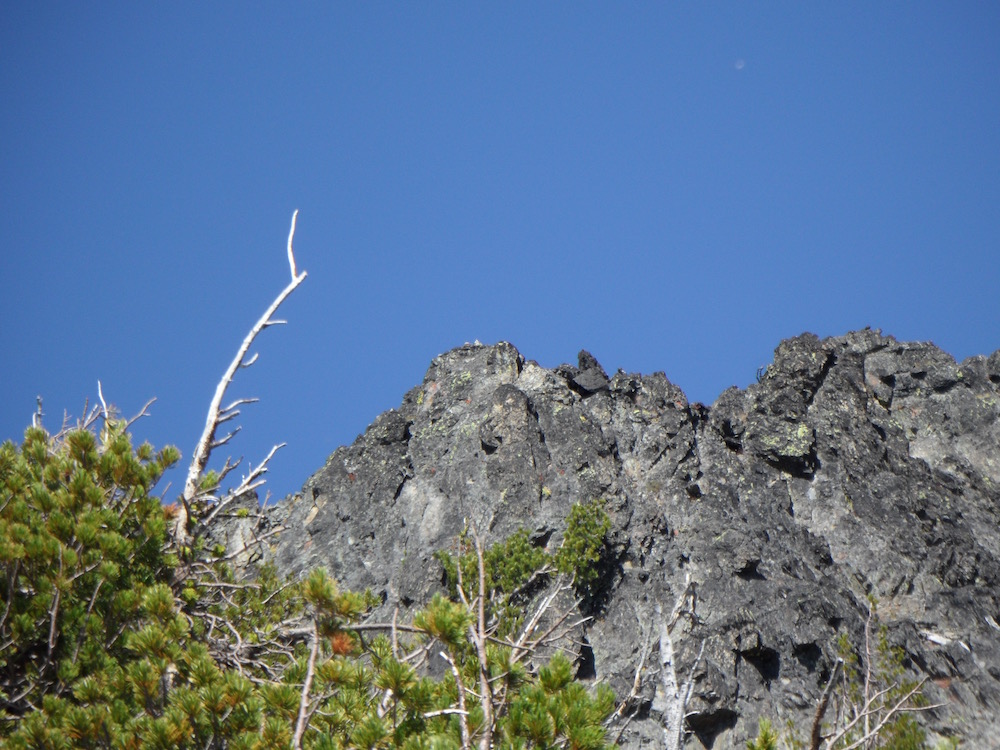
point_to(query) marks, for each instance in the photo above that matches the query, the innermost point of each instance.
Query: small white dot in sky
(740, 64)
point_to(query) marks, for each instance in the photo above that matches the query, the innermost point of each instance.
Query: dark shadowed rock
(857, 465)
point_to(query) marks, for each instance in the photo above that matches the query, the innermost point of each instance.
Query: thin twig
(143, 412)
(291, 236)
(104, 405)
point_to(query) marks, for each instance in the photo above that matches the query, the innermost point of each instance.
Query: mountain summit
(857, 468)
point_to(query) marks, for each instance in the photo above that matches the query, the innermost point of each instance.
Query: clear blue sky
(672, 186)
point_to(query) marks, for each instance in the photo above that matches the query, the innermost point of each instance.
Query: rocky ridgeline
(857, 465)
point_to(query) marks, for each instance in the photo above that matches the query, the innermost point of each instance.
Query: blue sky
(672, 186)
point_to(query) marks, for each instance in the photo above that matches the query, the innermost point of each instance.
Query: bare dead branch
(815, 736)
(104, 406)
(38, 414)
(479, 638)
(53, 615)
(219, 443)
(647, 646)
(532, 624)
(463, 714)
(257, 540)
(300, 724)
(868, 669)
(874, 710)
(366, 626)
(225, 416)
(677, 696)
(207, 442)
(445, 712)
(629, 700)
(240, 401)
(143, 412)
(689, 685)
(291, 237)
(673, 715)
(228, 467)
(858, 722)
(549, 637)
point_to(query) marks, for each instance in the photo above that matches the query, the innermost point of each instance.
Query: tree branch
(479, 632)
(815, 736)
(216, 414)
(463, 714)
(677, 697)
(300, 724)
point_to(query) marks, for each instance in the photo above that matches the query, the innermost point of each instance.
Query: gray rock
(858, 465)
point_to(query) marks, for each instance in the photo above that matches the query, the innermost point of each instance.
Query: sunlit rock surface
(857, 465)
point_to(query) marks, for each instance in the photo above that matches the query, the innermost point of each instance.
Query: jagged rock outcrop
(856, 465)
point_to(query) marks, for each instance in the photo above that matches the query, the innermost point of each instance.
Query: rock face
(857, 465)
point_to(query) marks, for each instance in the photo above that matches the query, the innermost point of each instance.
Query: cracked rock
(858, 465)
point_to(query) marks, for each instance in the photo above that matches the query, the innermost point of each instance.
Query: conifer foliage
(82, 544)
(108, 639)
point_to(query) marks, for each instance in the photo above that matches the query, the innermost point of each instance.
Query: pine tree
(109, 639)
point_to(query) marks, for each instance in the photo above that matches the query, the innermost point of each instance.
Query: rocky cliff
(856, 466)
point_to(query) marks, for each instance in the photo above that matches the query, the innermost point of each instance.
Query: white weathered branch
(676, 695)
(216, 414)
(109, 413)
(445, 712)
(463, 714)
(104, 406)
(225, 416)
(300, 724)
(673, 714)
(479, 637)
(222, 441)
(38, 414)
(250, 482)
(689, 686)
(239, 401)
(524, 643)
(291, 254)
